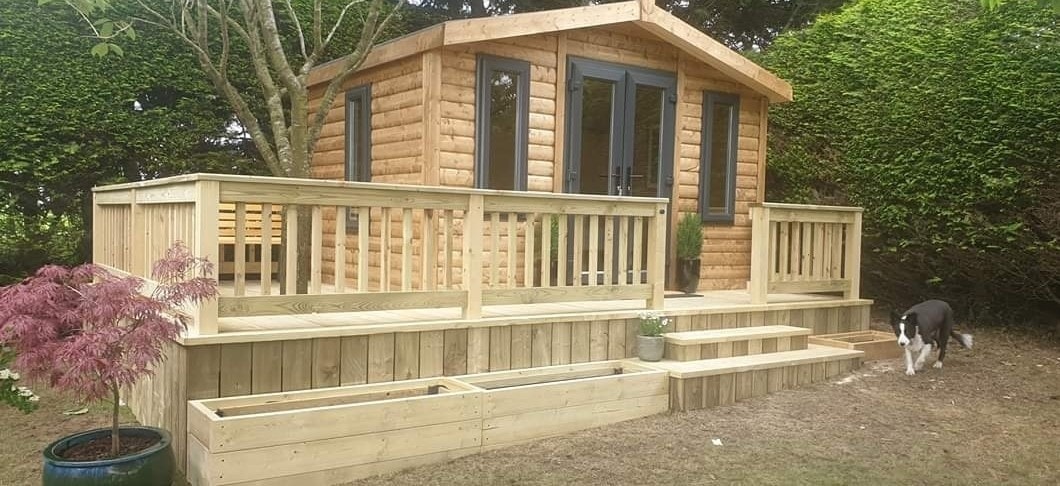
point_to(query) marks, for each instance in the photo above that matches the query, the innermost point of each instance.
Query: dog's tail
(964, 339)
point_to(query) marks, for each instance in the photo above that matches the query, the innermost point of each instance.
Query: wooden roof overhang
(643, 13)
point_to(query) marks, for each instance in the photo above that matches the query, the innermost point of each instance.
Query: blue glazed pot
(153, 466)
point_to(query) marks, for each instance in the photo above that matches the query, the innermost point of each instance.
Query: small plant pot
(154, 465)
(688, 275)
(650, 348)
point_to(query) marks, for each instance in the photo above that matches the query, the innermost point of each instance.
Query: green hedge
(943, 121)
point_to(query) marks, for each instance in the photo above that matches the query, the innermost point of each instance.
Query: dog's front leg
(909, 363)
(924, 352)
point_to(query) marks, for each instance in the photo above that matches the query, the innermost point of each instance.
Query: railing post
(853, 258)
(207, 214)
(760, 263)
(471, 273)
(657, 257)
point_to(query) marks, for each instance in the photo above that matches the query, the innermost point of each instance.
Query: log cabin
(620, 99)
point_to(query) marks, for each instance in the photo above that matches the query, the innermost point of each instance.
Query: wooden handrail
(399, 246)
(799, 248)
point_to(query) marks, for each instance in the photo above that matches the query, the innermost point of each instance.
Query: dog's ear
(910, 318)
(895, 317)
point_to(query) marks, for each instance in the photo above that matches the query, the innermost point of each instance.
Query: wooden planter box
(523, 405)
(332, 435)
(875, 344)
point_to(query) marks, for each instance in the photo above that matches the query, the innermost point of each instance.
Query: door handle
(629, 181)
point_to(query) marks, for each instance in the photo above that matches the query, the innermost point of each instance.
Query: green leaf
(100, 50)
(116, 49)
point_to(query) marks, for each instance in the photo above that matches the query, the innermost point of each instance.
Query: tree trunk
(115, 444)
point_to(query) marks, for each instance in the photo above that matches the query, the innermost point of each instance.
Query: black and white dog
(927, 324)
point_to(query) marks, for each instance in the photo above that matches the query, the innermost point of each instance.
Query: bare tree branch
(369, 34)
(297, 27)
(270, 34)
(319, 50)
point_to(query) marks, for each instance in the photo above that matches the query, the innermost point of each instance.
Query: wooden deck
(716, 301)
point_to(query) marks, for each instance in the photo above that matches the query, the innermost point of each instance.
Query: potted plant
(90, 332)
(650, 341)
(689, 246)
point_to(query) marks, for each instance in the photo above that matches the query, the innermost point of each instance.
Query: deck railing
(804, 249)
(385, 247)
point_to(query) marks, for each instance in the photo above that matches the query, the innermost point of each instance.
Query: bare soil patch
(99, 449)
(991, 416)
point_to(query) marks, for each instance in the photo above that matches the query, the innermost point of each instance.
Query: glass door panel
(596, 135)
(643, 170)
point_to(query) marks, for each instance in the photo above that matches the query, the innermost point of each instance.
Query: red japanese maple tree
(88, 331)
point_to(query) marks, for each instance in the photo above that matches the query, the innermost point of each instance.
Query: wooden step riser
(711, 391)
(734, 348)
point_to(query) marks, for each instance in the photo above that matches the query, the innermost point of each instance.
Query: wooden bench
(226, 233)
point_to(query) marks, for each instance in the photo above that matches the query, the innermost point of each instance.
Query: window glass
(502, 99)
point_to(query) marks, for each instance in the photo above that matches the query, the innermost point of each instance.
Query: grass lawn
(992, 416)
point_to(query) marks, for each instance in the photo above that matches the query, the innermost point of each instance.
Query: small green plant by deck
(11, 394)
(689, 237)
(652, 324)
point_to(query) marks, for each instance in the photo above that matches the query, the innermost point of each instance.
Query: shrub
(88, 331)
(689, 236)
(940, 119)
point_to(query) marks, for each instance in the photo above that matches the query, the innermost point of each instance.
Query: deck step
(743, 341)
(712, 382)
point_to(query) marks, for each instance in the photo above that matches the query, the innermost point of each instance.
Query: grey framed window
(359, 134)
(358, 164)
(717, 162)
(502, 123)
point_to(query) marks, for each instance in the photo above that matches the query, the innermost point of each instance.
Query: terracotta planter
(154, 465)
(650, 348)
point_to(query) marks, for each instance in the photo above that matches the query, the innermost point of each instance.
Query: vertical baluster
(837, 252)
(364, 228)
(818, 251)
(609, 250)
(546, 250)
(774, 235)
(240, 271)
(638, 249)
(429, 258)
(316, 261)
(291, 265)
(495, 230)
(623, 250)
(785, 251)
(807, 250)
(340, 249)
(447, 276)
(406, 250)
(579, 242)
(265, 277)
(561, 250)
(528, 250)
(594, 249)
(513, 240)
(384, 252)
